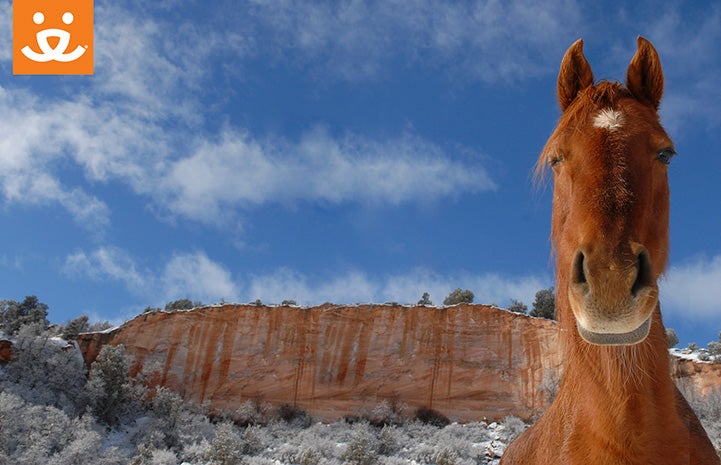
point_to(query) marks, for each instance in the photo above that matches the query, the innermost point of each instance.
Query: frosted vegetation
(53, 411)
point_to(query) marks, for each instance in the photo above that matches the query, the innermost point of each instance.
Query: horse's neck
(618, 386)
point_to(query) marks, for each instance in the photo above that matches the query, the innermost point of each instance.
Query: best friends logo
(53, 37)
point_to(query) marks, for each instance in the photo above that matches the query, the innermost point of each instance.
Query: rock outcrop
(696, 378)
(467, 361)
(7, 351)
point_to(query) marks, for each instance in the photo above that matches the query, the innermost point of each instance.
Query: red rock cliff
(467, 361)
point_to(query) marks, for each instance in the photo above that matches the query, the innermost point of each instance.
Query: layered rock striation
(468, 361)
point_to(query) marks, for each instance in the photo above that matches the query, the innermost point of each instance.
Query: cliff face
(467, 361)
(694, 378)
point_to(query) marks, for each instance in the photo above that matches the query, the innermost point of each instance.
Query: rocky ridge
(467, 361)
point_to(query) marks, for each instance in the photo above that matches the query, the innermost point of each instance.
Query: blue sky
(332, 151)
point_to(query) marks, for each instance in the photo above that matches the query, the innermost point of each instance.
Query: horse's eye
(665, 155)
(555, 160)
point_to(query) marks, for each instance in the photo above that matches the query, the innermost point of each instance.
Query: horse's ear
(645, 77)
(574, 76)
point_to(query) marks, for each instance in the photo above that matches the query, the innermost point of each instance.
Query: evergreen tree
(458, 297)
(517, 306)
(14, 315)
(109, 388)
(75, 327)
(671, 338)
(545, 304)
(425, 299)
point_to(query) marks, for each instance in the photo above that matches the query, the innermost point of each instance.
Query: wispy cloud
(117, 129)
(108, 264)
(240, 171)
(191, 275)
(357, 286)
(195, 275)
(485, 40)
(692, 289)
(691, 64)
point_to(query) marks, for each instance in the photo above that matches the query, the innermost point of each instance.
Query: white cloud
(196, 275)
(356, 286)
(117, 129)
(191, 275)
(108, 263)
(691, 64)
(5, 31)
(239, 171)
(693, 289)
(489, 40)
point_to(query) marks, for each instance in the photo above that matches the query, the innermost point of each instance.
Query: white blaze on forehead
(608, 118)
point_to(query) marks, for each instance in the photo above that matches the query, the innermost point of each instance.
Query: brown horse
(609, 154)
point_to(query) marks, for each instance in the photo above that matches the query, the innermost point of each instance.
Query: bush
(433, 417)
(445, 457)
(459, 297)
(226, 447)
(671, 338)
(513, 427)
(362, 448)
(388, 412)
(293, 414)
(252, 412)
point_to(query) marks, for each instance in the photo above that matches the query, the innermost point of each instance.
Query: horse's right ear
(574, 76)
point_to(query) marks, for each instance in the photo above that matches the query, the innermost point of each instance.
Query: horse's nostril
(579, 274)
(644, 276)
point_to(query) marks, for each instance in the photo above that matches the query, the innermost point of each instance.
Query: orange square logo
(53, 37)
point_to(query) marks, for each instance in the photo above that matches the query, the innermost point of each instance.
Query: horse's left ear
(645, 77)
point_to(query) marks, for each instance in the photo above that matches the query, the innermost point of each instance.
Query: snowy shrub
(388, 412)
(30, 312)
(259, 461)
(445, 457)
(389, 440)
(46, 371)
(513, 427)
(109, 390)
(163, 457)
(33, 434)
(255, 439)
(252, 412)
(714, 350)
(363, 446)
(226, 447)
(309, 457)
(195, 452)
(168, 408)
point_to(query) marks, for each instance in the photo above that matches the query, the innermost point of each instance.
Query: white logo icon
(49, 53)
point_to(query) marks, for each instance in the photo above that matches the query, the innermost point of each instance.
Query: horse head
(609, 157)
